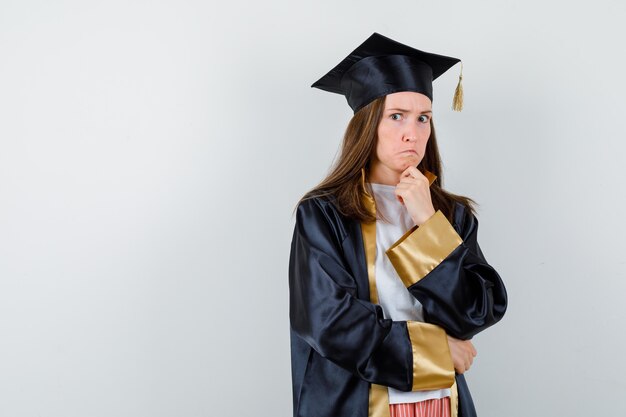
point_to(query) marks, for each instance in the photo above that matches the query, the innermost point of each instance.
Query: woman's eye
(396, 116)
(423, 118)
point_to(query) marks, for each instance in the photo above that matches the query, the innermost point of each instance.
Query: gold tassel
(457, 102)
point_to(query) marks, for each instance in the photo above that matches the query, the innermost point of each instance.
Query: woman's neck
(383, 175)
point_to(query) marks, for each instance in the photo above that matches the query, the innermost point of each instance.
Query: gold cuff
(422, 248)
(432, 363)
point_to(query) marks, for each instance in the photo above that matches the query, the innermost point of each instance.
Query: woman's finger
(411, 171)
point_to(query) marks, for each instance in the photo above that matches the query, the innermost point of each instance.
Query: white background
(152, 152)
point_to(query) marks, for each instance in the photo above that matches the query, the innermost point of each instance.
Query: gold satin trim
(369, 229)
(379, 401)
(432, 362)
(454, 400)
(422, 248)
(378, 394)
(367, 194)
(430, 176)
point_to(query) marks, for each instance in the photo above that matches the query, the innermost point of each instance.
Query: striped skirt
(438, 407)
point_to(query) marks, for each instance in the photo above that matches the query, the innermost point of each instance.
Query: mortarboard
(381, 66)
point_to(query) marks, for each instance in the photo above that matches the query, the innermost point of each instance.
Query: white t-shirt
(393, 296)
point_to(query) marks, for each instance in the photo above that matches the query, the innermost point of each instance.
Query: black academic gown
(342, 347)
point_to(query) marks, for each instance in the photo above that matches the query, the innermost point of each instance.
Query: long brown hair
(359, 145)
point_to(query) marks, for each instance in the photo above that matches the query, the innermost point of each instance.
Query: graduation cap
(381, 66)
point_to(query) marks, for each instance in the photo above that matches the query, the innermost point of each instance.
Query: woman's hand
(462, 352)
(413, 191)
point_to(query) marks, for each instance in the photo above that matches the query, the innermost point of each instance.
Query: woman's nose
(410, 135)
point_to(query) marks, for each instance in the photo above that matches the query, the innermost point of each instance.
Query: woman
(387, 282)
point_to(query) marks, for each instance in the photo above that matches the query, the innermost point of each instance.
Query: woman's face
(402, 132)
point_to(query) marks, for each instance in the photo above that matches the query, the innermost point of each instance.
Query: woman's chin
(408, 162)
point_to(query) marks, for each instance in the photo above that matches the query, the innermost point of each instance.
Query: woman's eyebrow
(407, 111)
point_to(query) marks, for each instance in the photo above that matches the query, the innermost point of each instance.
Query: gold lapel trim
(379, 394)
(368, 231)
(430, 176)
(454, 400)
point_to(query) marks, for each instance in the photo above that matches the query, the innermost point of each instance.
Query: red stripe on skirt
(437, 407)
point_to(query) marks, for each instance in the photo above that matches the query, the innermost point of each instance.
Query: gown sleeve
(444, 268)
(351, 332)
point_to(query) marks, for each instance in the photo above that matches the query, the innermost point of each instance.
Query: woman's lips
(410, 151)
